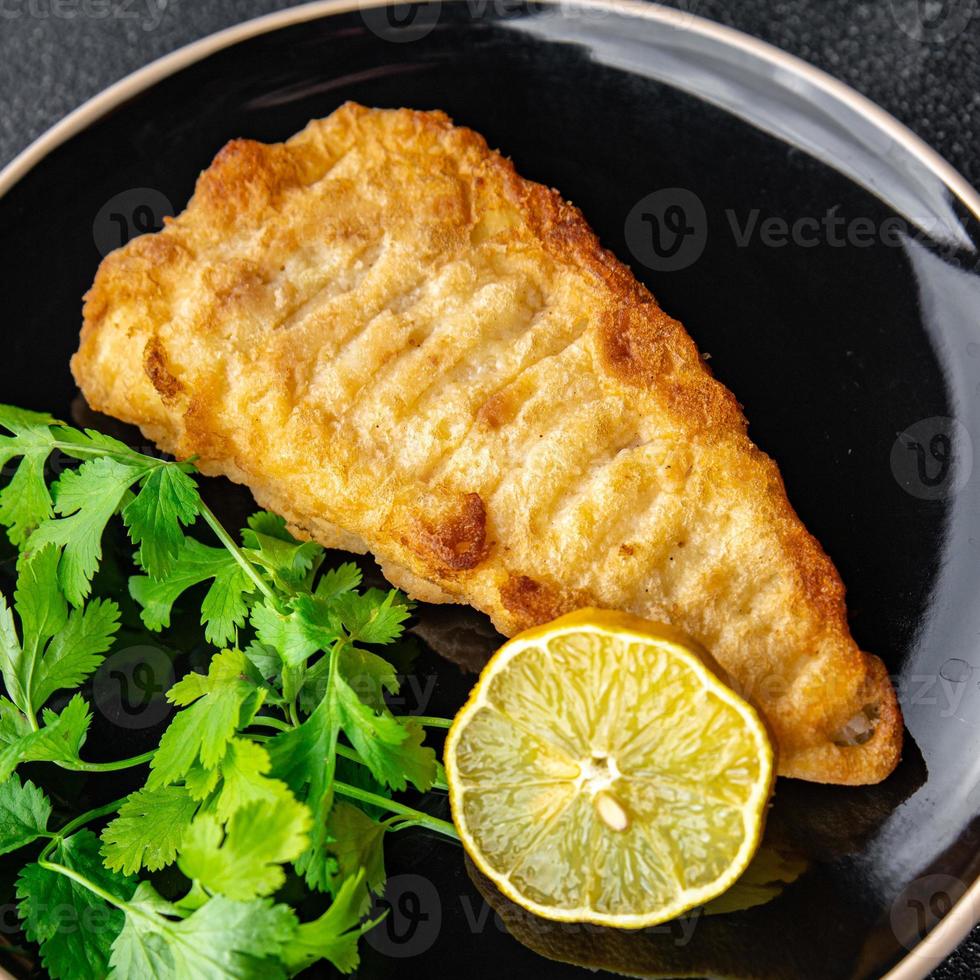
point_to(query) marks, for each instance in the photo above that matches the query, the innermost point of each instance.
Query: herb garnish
(244, 783)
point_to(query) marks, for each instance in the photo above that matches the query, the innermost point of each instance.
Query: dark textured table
(919, 59)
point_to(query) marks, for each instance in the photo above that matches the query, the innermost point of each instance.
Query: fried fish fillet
(405, 348)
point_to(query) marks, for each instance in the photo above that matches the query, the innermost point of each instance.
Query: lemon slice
(601, 772)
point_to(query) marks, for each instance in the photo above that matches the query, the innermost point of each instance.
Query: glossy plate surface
(824, 259)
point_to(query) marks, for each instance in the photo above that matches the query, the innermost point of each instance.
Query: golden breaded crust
(403, 347)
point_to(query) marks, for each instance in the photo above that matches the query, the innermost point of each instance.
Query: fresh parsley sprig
(243, 788)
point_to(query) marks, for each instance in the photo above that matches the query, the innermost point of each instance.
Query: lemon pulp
(601, 772)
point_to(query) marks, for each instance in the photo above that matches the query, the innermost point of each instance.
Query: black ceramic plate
(824, 258)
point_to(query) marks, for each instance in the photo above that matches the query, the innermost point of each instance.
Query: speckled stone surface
(919, 59)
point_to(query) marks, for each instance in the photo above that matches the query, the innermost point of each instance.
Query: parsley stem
(269, 721)
(83, 881)
(79, 766)
(428, 721)
(334, 731)
(229, 542)
(81, 451)
(415, 816)
(80, 821)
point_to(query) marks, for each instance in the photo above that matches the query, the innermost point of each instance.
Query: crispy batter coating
(403, 347)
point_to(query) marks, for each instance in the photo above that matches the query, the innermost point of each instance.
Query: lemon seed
(611, 811)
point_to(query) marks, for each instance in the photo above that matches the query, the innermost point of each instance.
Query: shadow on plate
(789, 917)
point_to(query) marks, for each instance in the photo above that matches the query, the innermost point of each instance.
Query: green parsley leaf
(305, 756)
(80, 443)
(168, 499)
(334, 581)
(222, 939)
(270, 545)
(65, 732)
(201, 782)
(295, 635)
(24, 814)
(220, 703)
(38, 599)
(85, 499)
(74, 926)
(34, 670)
(392, 750)
(358, 842)
(148, 829)
(243, 779)
(301, 757)
(11, 656)
(43, 612)
(334, 935)
(264, 659)
(141, 949)
(244, 861)
(372, 616)
(369, 675)
(77, 650)
(13, 723)
(59, 740)
(225, 607)
(316, 622)
(269, 524)
(26, 501)
(23, 423)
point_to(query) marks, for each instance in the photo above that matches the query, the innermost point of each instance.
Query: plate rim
(143, 78)
(965, 914)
